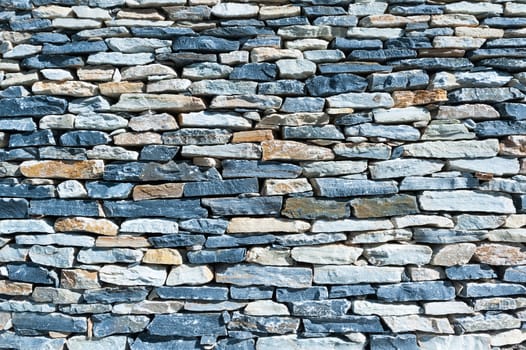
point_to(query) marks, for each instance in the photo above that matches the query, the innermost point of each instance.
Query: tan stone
(264, 54)
(479, 32)
(266, 308)
(269, 12)
(79, 279)
(471, 111)
(52, 11)
(122, 241)
(79, 224)
(418, 97)
(274, 187)
(15, 288)
(62, 169)
(307, 44)
(431, 273)
(453, 254)
(273, 256)
(101, 73)
(168, 190)
(137, 139)
(387, 20)
(115, 89)
(65, 88)
(441, 53)
(252, 136)
(515, 221)
(163, 256)
(500, 254)
(151, 14)
(514, 145)
(257, 225)
(190, 275)
(292, 150)
(153, 122)
(153, 102)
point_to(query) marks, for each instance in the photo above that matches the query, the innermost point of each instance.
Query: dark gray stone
(251, 293)
(185, 58)
(414, 291)
(287, 295)
(158, 153)
(255, 72)
(13, 208)
(351, 290)
(354, 119)
(30, 25)
(52, 61)
(234, 344)
(434, 63)
(497, 128)
(193, 293)
(398, 81)
(63, 207)
(84, 138)
(238, 32)
(227, 241)
(32, 106)
(344, 324)
(150, 171)
(205, 44)
(263, 324)
(302, 104)
(394, 342)
(31, 273)
(161, 32)
(270, 205)
(115, 295)
(505, 64)
(62, 153)
(196, 136)
(206, 256)
(37, 138)
(19, 154)
(172, 208)
(17, 124)
(53, 322)
(514, 111)
(353, 67)
(408, 43)
(224, 187)
(288, 21)
(254, 168)
(107, 324)
(381, 55)
(336, 21)
(338, 187)
(75, 48)
(177, 240)
(188, 325)
(52, 38)
(108, 190)
(326, 132)
(470, 272)
(27, 191)
(336, 84)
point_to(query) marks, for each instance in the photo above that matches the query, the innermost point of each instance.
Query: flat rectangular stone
(193, 293)
(346, 274)
(314, 208)
(153, 102)
(187, 325)
(246, 275)
(32, 106)
(361, 100)
(224, 187)
(404, 167)
(344, 324)
(235, 151)
(412, 291)
(338, 187)
(172, 208)
(151, 171)
(244, 206)
(49, 322)
(63, 207)
(466, 201)
(27, 191)
(252, 168)
(448, 236)
(418, 183)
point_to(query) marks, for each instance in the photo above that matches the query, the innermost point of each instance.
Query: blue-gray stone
(224, 187)
(37, 138)
(398, 81)
(13, 341)
(17, 124)
(14, 92)
(254, 168)
(188, 325)
(263, 324)
(205, 44)
(30, 25)
(282, 88)
(353, 67)
(151, 171)
(506, 42)
(263, 41)
(154, 343)
(234, 344)
(62, 153)
(418, 183)
(18, 154)
(13, 208)
(107, 324)
(485, 95)
(414, 291)
(353, 44)
(53, 322)
(196, 136)
(16, 4)
(522, 204)
(251, 293)
(27, 191)
(514, 111)
(394, 342)
(381, 55)
(115, 295)
(31, 273)
(336, 84)
(233, 255)
(193, 293)
(336, 21)
(255, 72)
(423, 9)
(320, 308)
(288, 21)
(171, 208)
(351, 290)
(84, 138)
(227, 241)
(434, 63)
(32, 106)
(208, 226)
(64, 207)
(353, 119)
(408, 43)
(287, 295)
(489, 289)
(158, 153)
(338, 187)
(344, 324)
(108, 190)
(53, 38)
(499, 52)
(302, 104)
(500, 128)
(238, 32)
(161, 32)
(75, 48)
(88, 105)
(394, 132)
(505, 64)
(316, 11)
(303, 239)
(177, 240)
(52, 61)
(270, 205)
(447, 236)
(515, 274)
(185, 58)
(505, 22)
(326, 132)
(470, 272)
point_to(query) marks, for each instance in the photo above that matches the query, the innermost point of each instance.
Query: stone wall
(312, 174)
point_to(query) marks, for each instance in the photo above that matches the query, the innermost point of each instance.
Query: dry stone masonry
(262, 174)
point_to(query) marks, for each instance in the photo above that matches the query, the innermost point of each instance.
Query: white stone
(496, 165)
(273, 187)
(83, 343)
(517, 235)
(338, 274)
(100, 121)
(90, 12)
(452, 149)
(207, 119)
(266, 308)
(365, 307)
(422, 220)
(235, 10)
(164, 226)
(381, 236)
(262, 225)
(466, 201)
(514, 336)
(291, 342)
(273, 256)
(71, 189)
(402, 167)
(374, 33)
(516, 221)
(333, 168)
(332, 254)
(295, 68)
(56, 74)
(367, 8)
(351, 225)
(411, 323)
(444, 308)
(398, 254)
(401, 115)
(190, 275)
(471, 342)
(361, 100)
(148, 307)
(25, 226)
(139, 275)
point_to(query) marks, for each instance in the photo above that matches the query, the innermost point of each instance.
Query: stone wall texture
(262, 174)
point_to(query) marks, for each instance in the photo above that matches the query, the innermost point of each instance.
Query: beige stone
(273, 187)
(453, 20)
(167, 190)
(454, 254)
(115, 89)
(101, 73)
(62, 169)
(137, 139)
(190, 275)
(273, 256)
(163, 256)
(262, 225)
(151, 14)
(266, 54)
(15, 288)
(292, 150)
(515, 221)
(18, 79)
(65, 88)
(269, 12)
(153, 122)
(332, 254)
(153, 102)
(500, 254)
(418, 97)
(103, 227)
(79, 279)
(479, 32)
(52, 11)
(122, 241)
(266, 308)
(252, 136)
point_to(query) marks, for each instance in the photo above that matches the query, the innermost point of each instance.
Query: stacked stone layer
(262, 174)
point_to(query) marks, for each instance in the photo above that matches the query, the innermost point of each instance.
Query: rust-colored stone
(79, 224)
(115, 89)
(500, 254)
(252, 136)
(168, 190)
(62, 169)
(137, 139)
(79, 279)
(163, 256)
(418, 97)
(292, 150)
